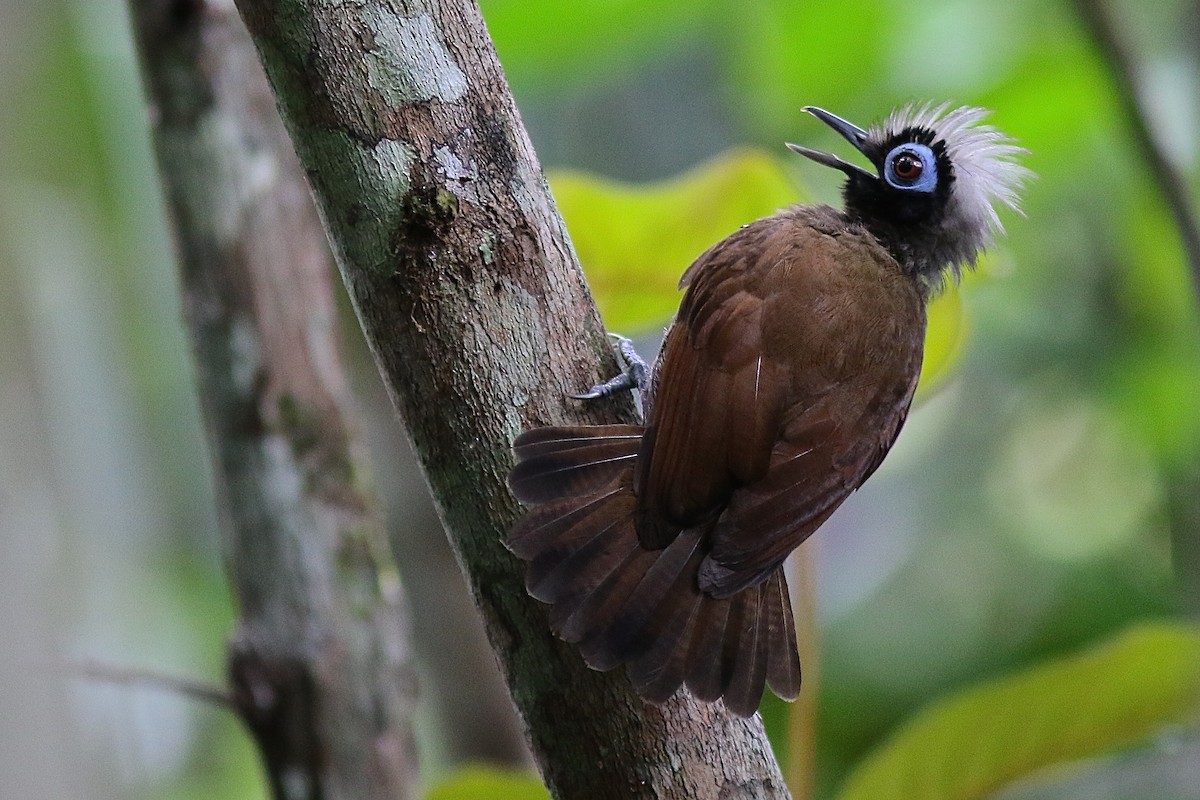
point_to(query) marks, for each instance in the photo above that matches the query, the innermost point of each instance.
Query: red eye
(907, 167)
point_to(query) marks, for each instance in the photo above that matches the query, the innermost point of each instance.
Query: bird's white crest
(984, 169)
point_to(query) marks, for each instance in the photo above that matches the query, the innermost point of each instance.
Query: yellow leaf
(636, 240)
(488, 783)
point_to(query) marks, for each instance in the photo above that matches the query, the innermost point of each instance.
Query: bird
(780, 387)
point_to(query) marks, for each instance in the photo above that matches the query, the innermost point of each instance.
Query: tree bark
(318, 663)
(473, 304)
(462, 689)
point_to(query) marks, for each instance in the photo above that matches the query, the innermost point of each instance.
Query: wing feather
(782, 384)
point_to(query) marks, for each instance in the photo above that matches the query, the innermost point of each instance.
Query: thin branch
(141, 678)
(468, 291)
(1170, 180)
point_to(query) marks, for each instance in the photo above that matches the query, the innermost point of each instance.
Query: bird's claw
(635, 374)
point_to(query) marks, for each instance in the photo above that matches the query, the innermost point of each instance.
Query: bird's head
(931, 194)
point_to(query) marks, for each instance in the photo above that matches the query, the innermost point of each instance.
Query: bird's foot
(635, 374)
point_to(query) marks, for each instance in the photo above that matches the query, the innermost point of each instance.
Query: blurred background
(1045, 494)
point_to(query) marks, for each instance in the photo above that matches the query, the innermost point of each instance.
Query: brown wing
(718, 402)
(785, 378)
(820, 460)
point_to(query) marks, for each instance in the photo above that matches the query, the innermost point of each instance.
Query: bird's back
(785, 377)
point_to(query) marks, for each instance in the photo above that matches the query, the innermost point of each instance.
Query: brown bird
(781, 386)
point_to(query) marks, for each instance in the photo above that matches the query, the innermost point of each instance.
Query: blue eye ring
(911, 167)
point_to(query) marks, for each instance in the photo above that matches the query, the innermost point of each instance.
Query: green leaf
(971, 744)
(636, 240)
(488, 783)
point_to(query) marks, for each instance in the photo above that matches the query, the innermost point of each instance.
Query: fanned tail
(571, 462)
(624, 604)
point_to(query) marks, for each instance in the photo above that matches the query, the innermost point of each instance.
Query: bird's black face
(911, 182)
(930, 197)
(912, 185)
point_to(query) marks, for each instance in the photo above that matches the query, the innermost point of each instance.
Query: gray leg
(635, 374)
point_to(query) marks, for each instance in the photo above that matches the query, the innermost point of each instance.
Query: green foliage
(1156, 378)
(774, 76)
(585, 40)
(972, 743)
(488, 783)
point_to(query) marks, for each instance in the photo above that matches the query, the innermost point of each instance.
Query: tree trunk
(466, 286)
(319, 660)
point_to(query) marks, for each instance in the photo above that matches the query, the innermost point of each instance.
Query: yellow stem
(802, 714)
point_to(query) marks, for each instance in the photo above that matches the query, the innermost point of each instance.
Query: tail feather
(783, 660)
(556, 573)
(541, 527)
(598, 612)
(572, 617)
(631, 630)
(704, 676)
(747, 657)
(558, 462)
(553, 440)
(661, 670)
(625, 604)
(573, 554)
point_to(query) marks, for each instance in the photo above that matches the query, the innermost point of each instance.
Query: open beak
(851, 132)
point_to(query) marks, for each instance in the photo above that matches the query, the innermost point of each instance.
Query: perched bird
(780, 387)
